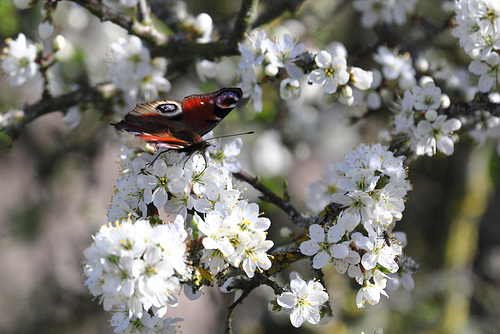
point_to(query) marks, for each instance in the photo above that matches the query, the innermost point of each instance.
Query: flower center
(330, 72)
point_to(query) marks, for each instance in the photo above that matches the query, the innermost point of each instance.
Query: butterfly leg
(156, 158)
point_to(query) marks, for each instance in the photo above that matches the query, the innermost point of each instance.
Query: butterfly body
(180, 125)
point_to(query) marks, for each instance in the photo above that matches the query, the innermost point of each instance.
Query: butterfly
(179, 125)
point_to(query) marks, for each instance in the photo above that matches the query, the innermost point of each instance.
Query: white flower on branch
(370, 292)
(290, 89)
(18, 60)
(237, 239)
(323, 246)
(396, 66)
(429, 134)
(331, 73)
(303, 300)
(437, 135)
(283, 53)
(227, 154)
(253, 49)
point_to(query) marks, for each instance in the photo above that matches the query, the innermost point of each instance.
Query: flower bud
(445, 101)
(425, 79)
(345, 95)
(422, 64)
(59, 43)
(45, 29)
(203, 23)
(431, 115)
(271, 70)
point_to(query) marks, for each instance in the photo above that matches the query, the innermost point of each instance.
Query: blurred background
(56, 183)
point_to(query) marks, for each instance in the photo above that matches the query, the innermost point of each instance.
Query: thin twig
(230, 309)
(269, 195)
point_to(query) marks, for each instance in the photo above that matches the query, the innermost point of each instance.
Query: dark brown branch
(106, 13)
(275, 9)
(243, 21)
(270, 196)
(474, 112)
(231, 308)
(248, 286)
(50, 104)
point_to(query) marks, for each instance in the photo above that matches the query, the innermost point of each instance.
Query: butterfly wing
(179, 125)
(160, 123)
(203, 112)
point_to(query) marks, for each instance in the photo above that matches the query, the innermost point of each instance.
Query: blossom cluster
(134, 268)
(137, 263)
(477, 25)
(371, 188)
(331, 70)
(174, 185)
(134, 72)
(417, 119)
(395, 69)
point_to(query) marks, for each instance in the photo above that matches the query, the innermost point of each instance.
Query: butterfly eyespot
(228, 99)
(167, 108)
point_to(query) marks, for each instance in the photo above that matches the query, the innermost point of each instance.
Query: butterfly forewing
(206, 111)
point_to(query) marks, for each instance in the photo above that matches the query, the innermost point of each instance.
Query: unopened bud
(59, 43)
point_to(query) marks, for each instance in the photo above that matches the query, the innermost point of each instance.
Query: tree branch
(106, 13)
(271, 197)
(243, 21)
(473, 112)
(275, 9)
(230, 309)
(50, 104)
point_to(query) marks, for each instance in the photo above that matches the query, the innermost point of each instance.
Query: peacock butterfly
(180, 125)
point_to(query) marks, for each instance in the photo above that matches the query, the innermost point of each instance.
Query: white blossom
(253, 49)
(331, 72)
(227, 155)
(324, 246)
(290, 89)
(396, 66)
(370, 293)
(303, 299)
(427, 97)
(372, 186)
(283, 53)
(437, 135)
(18, 60)
(133, 71)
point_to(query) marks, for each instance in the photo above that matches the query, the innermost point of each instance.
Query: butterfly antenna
(232, 135)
